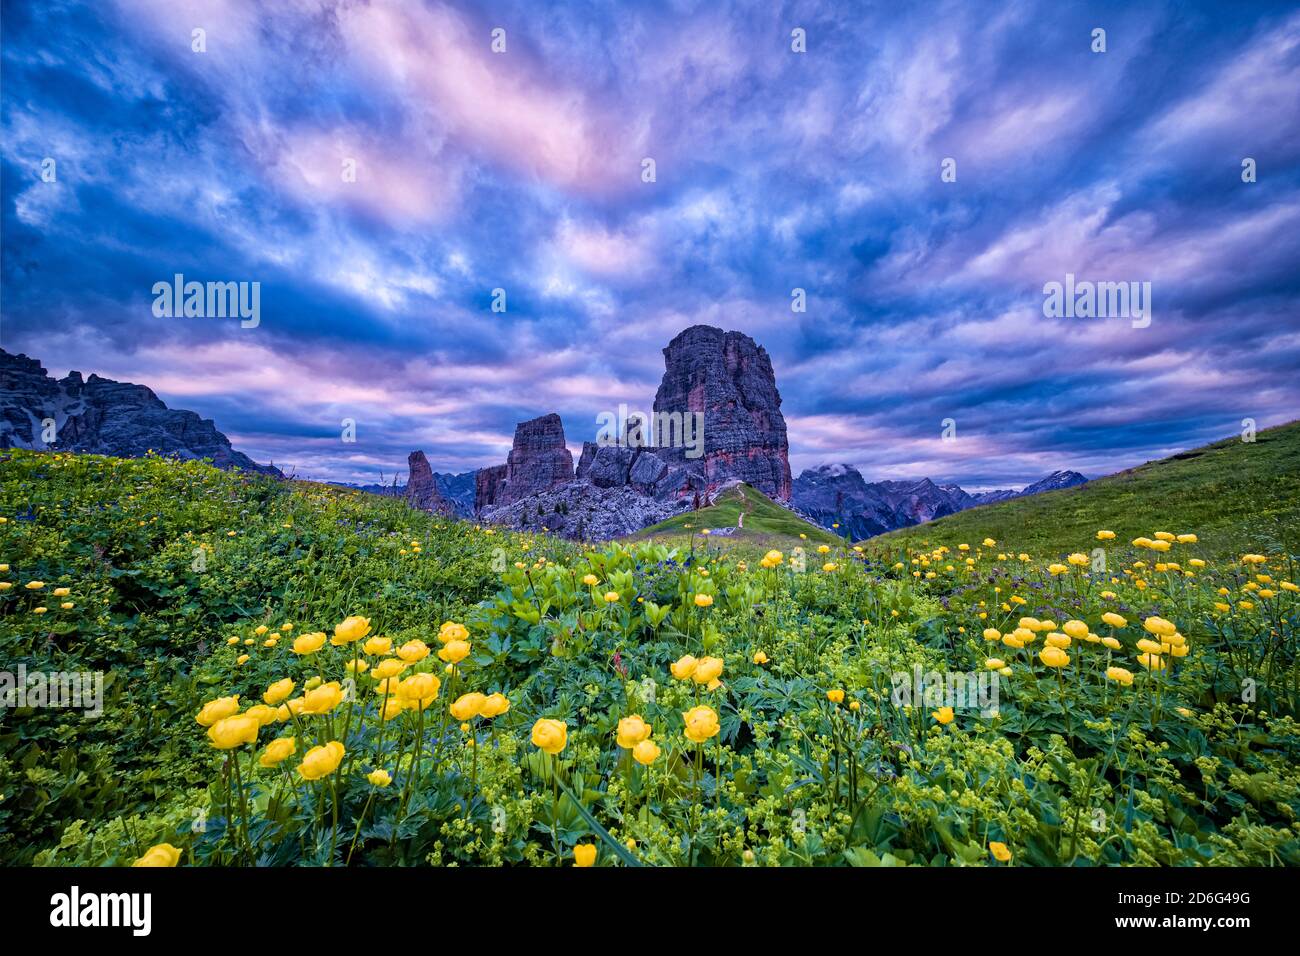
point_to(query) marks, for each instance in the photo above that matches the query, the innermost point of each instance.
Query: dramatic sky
(775, 170)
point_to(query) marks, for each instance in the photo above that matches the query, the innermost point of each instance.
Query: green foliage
(819, 756)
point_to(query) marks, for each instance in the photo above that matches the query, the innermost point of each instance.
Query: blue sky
(775, 170)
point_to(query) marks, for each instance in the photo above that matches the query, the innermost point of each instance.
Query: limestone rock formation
(729, 378)
(100, 416)
(422, 489)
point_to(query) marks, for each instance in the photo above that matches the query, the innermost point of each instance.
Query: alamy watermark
(624, 429)
(1098, 300)
(211, 300)
(74, 690)
(960, 690)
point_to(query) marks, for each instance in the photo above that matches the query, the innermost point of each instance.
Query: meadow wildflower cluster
(344, 681)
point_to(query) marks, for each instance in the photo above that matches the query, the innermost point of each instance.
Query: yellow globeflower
(992, 634)
(944, 715)
(703, 600)
(451, 631)
(378, 645)
(999, 851)
(590, 580)
(161, 855)
(1120, 675)
(379, 778)
(263, 714)
(351, 630)
(611, 597)
(218, 709)
(454, 652)
(1075, 629)
(1105, 535)
(1152, 662)
(34, 585)
(277, 750)
(584, 854)
(760, 657)
(550, 735)
(701, 724)
(835, 696)
(1057, 639)
(646, 752)
(1158, 626)
(389, 667)
(1054, 657)
(494, 705)
(683, 667)
(707, 670)
(231, 732)
(322, 699)
(413, 651)
(321, 761)
(305, 644)
(631, 731)
(468, 705)
(1114, 620)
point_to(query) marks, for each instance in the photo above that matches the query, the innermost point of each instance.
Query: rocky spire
(728, 377)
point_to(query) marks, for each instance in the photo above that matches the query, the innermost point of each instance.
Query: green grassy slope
(1233, 494)
(767, 524)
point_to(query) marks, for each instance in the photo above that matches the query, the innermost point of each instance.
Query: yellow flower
(1158, 626)
(378, 645)
(999, 851)
(773, 558)
(1078, 559)
(1150, 647)
(305, 644)
(322, 699)
(550, 735)
(389, 667)
(34, 585)
(701, 724)
(1105, 535)
(683, 667)
(321, 761)
(611, 597)
(61, 592)
(1075, 629)
(1114, 620)
(277, 750)
(631, 731)
(451, 631)
(1152, 662)
(419, 690)
(379, 778)
(995, 663)
(1054, 657)
(218, 709)
(992, 634)
(760, 657)
(944, 715)
(414, 651)
(351, 630)
(454, 652)
(163, 854)
(835, 696)
(1112, 643)
(646, 752)
(467, 705)
(707, 670)
(590, 580)
(231, 732)
(584, 854)
(1056, 639)
(1120, 675)
(494, 705)
(703, 600)
(263, 714)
